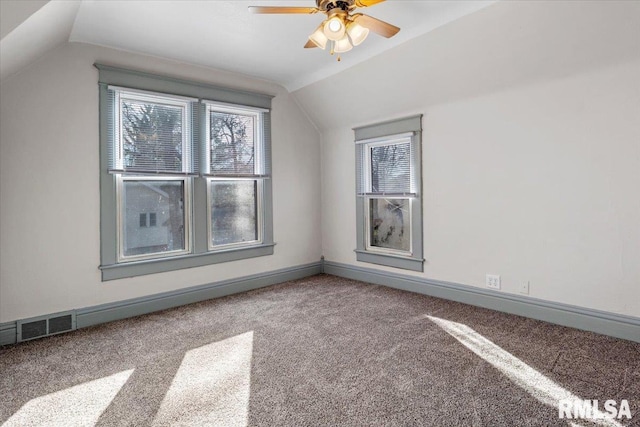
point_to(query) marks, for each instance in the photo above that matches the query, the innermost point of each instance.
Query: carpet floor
(318, 351)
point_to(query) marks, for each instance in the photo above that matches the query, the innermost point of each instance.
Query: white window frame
(258, 175)
(258, 149)
(123, 94)
(259, 216)
(369, 247)
(369, 146)
(186, 209)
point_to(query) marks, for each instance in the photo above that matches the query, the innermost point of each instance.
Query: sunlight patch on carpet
(212, 386)
(80, 405)
(533, 382)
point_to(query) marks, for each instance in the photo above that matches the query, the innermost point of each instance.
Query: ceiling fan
(342, 28)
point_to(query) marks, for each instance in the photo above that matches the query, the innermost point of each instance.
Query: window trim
(388, 133)
(138, 81)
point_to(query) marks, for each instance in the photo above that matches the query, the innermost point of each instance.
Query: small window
(389, 195)
(143, 220)
(152, 219)
(389, 204)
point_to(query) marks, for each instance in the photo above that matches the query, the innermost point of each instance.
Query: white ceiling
(224, 35)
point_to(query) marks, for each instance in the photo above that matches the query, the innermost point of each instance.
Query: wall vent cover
(42, 326)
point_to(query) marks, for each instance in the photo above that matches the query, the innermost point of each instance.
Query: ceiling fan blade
(377, 26)
(309, 44)
(367, 3)
(284, 9)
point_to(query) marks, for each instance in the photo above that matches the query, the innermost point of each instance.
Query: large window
(185, 180)
(389, 204)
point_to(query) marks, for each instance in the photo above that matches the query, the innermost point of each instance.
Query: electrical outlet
(524, 287)
(493, 281)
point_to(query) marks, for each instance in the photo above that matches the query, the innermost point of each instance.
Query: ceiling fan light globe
(318, 38)
(357, 33)
(334, 28)
(343, 45)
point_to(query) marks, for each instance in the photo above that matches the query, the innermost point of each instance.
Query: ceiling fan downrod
(340, 4)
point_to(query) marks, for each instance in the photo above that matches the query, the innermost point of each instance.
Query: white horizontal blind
(233, 143)
(391, 168)
(236, 145)
(385, 167)
(152, 134)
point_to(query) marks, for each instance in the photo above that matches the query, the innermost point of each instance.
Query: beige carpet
(318, 351)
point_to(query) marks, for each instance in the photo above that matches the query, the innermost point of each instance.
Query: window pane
(390, 168)
(166, 200)
(389, 222)
(232, 143)
(233, 212)
(151, 136)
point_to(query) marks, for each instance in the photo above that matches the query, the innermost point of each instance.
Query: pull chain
(333, 45)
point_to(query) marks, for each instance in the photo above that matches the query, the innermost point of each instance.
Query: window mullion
(200, 229)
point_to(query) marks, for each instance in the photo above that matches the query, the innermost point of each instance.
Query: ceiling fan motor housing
(328, 5)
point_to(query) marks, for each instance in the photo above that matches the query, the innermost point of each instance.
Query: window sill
(390, 260)
(161, 265)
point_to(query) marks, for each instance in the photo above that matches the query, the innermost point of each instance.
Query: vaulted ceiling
(216, 34)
